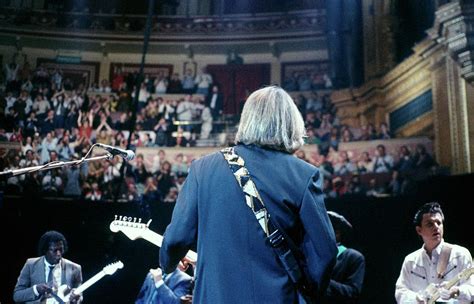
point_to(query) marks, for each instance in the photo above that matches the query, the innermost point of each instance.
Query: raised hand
(185, 262)
(157, 274)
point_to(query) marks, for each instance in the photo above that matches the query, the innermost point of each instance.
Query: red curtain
(236, 81)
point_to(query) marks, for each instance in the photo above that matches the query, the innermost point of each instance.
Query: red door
(236, 81)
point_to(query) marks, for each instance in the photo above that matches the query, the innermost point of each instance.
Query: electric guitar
(134, 229)
(433, 292)
(63, 293)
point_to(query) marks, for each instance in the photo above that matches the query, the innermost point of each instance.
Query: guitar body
(63, 294)
(433, 291)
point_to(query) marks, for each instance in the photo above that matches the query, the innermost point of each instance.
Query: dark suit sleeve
(319, 244)
(351, 285)
(147, 291)
(23, 291)
(166, 295)
(181, 233)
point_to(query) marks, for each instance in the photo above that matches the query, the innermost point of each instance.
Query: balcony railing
(38, 20)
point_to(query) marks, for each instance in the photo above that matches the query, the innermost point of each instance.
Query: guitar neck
(90, 282)
(452, 282)
(152, 237)
(157, 239)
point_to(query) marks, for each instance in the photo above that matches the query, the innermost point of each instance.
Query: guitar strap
(276, 237)
(443, 260)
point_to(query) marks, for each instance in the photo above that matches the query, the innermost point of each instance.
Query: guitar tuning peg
(134, 219)
(140, 220)
(116, 217)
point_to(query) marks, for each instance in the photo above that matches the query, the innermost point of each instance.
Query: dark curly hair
(50, 237)
(431, 208)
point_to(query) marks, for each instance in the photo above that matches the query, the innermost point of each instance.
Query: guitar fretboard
(157, 239)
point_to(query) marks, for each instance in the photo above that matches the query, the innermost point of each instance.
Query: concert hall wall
(382, 232)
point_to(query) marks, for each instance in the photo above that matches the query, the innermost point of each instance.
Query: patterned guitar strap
(443, 260)
(274, 236)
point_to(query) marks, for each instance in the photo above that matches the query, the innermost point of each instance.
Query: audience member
(347, 277)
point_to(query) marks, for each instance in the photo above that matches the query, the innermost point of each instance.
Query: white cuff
(35, 290)
(159, 283)
(465, 293)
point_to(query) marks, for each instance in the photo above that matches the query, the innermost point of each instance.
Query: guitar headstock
(132, 227)
(112, 268)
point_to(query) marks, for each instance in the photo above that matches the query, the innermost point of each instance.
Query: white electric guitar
(433, 292)
(134, 229)
(63, 294)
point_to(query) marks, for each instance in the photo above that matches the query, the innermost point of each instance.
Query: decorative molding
(464, 128)
(454, 28)
(453, 109)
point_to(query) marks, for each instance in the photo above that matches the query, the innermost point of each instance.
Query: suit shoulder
(71, 263)
(32, 261)
(207, 159)
(182, 276)
(311, 169)
(355, 253)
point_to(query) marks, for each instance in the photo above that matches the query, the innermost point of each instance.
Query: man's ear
(418, 230)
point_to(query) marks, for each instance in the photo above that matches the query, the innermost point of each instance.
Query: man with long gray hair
(255, 214)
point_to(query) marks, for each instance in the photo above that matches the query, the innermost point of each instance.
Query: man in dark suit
(215, 101)
(212, 212)
(348, 275)
(168, 289)
(40, 276)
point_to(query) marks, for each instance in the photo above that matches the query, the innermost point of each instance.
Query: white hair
(271, 119)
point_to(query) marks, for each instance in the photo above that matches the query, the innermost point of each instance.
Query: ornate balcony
(297, 30)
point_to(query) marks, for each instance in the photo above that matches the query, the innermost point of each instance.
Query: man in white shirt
(203, 81)
(434, 265)
(383, 162)
(185, 111)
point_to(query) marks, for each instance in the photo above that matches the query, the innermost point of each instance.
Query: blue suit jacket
(175, 286)
(235, 264)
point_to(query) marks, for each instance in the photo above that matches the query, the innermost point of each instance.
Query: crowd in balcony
(54, 120)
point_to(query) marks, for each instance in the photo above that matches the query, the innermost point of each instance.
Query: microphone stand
(55, 164)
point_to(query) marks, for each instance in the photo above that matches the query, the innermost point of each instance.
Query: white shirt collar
(48, 264)
(436, 251)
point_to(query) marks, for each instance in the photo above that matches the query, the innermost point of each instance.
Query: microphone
(127, 155)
